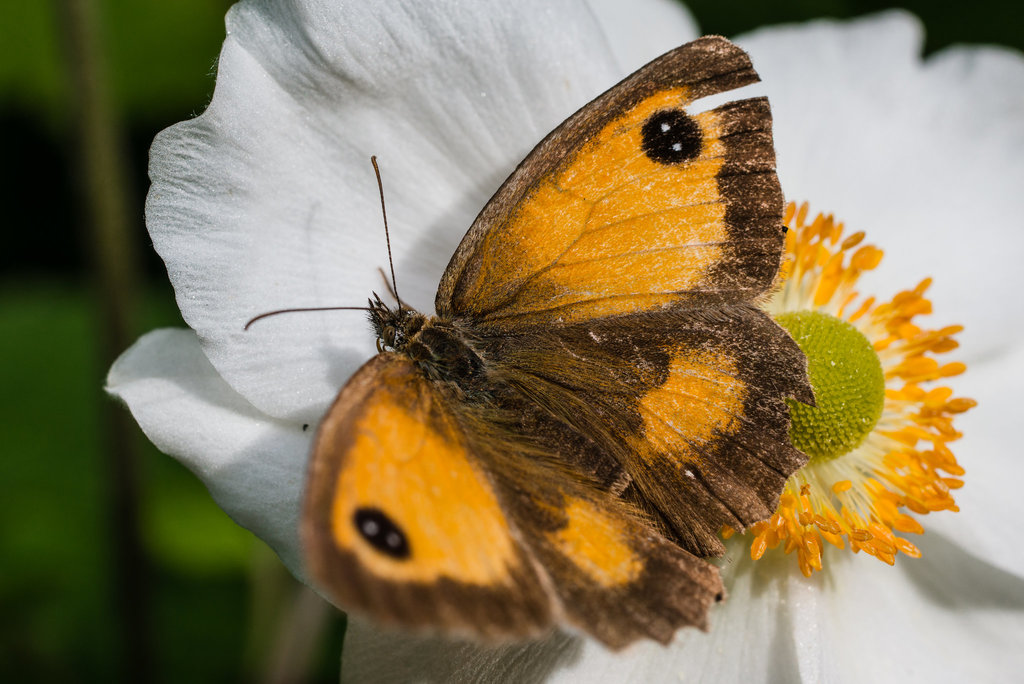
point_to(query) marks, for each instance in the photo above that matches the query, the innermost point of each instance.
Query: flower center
(849, 386)
(873, 366)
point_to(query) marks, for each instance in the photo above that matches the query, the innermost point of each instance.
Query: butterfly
(597, 394)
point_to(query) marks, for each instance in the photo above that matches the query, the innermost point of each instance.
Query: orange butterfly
(597, 395)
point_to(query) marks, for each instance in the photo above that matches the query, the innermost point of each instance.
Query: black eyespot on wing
(671, 137)
(382, 533)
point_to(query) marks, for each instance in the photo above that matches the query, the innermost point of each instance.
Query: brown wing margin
(704, 67)
(753, 198)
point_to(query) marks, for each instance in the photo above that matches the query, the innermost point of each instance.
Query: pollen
(879, 438)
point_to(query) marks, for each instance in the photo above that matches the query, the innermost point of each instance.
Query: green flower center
(849, 386)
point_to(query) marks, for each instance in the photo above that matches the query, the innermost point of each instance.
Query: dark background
(114, 562)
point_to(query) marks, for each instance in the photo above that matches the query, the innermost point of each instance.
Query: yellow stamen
(865, 497)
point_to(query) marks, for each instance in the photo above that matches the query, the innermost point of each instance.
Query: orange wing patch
(616, 231)
(703, 398)
(598, 544)
(409, 465)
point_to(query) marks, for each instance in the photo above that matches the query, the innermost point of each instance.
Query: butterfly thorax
(438, 347)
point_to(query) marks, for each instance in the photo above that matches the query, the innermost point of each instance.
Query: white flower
(267, 200)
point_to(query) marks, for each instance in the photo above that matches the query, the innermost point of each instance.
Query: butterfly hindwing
(401, 523)
(418, 518)
(611, 573)
(631, 204)
(688, 403)
(615, 576)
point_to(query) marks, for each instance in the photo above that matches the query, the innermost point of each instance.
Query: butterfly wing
(631, 204)
(613, 575)
(400, 521)
(423, 513)
(685, 409)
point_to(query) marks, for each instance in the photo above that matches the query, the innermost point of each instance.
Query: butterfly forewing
(630, 205)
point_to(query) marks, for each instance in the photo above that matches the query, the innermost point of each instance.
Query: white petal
(923, 156)
(268, 199)
(253, 464)
(751, 639)
(950, 620)
(990, 501)
(641, 30)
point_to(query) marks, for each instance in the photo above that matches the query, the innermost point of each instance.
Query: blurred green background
(115, 565)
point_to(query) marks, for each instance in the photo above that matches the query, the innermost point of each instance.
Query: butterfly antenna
(315, 308)
(387, 234)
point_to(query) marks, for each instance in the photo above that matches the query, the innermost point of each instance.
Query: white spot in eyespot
(689, 473)
(665, 128)
(677, 147)
(371, 528)
(393, 540)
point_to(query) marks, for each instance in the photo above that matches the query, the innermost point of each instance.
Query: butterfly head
(393, 327)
